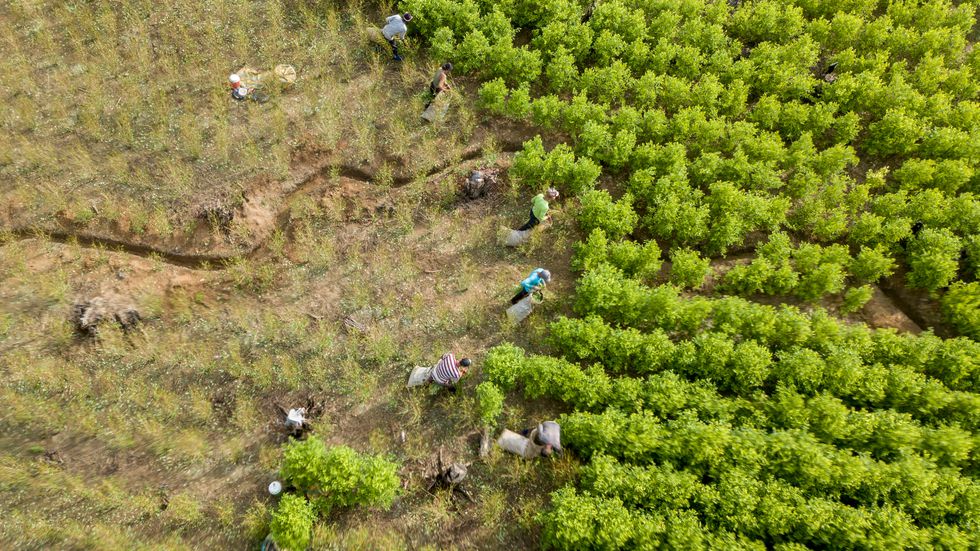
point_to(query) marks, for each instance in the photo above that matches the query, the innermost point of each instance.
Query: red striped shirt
(445, 372)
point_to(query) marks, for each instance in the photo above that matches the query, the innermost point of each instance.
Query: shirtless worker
(440, 82)
(546, 436)
(541, 441)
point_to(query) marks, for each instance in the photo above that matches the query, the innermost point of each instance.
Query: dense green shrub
(688, 269)
(580, 522)
(559, 168)
(961, 308)
(461, 16)
(339, 476)
(519, 104)
(640, 261)
(872, 264)
(492, 96)
(741, 425)
(933, 259)
(855, 298)
(490, 402)
(599, 211)
(503, 365)
(292, 523)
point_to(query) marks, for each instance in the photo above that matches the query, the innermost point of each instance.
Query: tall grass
(96, 93)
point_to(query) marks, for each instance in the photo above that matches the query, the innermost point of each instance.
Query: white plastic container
(275, 487)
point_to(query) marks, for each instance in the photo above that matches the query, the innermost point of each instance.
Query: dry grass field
(119, 144)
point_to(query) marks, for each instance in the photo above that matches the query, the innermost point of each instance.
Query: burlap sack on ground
(438, 108)
(253, 78)
(514, 238)
(419, 376)
(521, 310)
(513, 442)
(374, 35)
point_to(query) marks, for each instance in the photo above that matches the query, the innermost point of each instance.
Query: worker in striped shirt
(448, 371)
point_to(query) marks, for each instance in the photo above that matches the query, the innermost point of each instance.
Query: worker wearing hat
(539, 208)
(534, 282)
(395, 27)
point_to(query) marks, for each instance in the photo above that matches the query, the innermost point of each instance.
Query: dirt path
(264, 210)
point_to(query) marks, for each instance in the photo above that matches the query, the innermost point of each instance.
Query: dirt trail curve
(212, 259)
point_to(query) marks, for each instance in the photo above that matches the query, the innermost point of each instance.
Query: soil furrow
(210, 260)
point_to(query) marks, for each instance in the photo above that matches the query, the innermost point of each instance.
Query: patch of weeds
(493, 504)
(270, 456)
(411, 406)
(378, 441)
(380, 347)
(324, 536)
(138, 219)
(159, 223)
(384, 178)
(80, 214)
(183, 511)
(262, 373)
(255, 522)
(277, 243)
(334, 208)
(189, 446)
(110, 210)
(246, 416)
(224, 513)
(314, 251)
(303, 207)
(253, 276)
(368, 538)
(60, 333)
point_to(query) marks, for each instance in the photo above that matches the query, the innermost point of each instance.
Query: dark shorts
(531, 222)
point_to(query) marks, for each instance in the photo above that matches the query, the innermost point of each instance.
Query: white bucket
(419, 376)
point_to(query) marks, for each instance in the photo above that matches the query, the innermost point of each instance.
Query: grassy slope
(180, 414)
(164, 438)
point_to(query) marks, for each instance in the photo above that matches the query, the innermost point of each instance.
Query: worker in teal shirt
(539, 208)
(534, 282)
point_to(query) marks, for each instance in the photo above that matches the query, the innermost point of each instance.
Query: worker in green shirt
(539, 208)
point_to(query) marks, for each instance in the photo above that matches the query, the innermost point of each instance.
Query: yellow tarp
(253, 78)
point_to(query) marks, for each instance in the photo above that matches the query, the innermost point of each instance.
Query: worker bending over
(539, 208)
(541, 441)
(395, 27)
(448, 371)
(537, 281)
